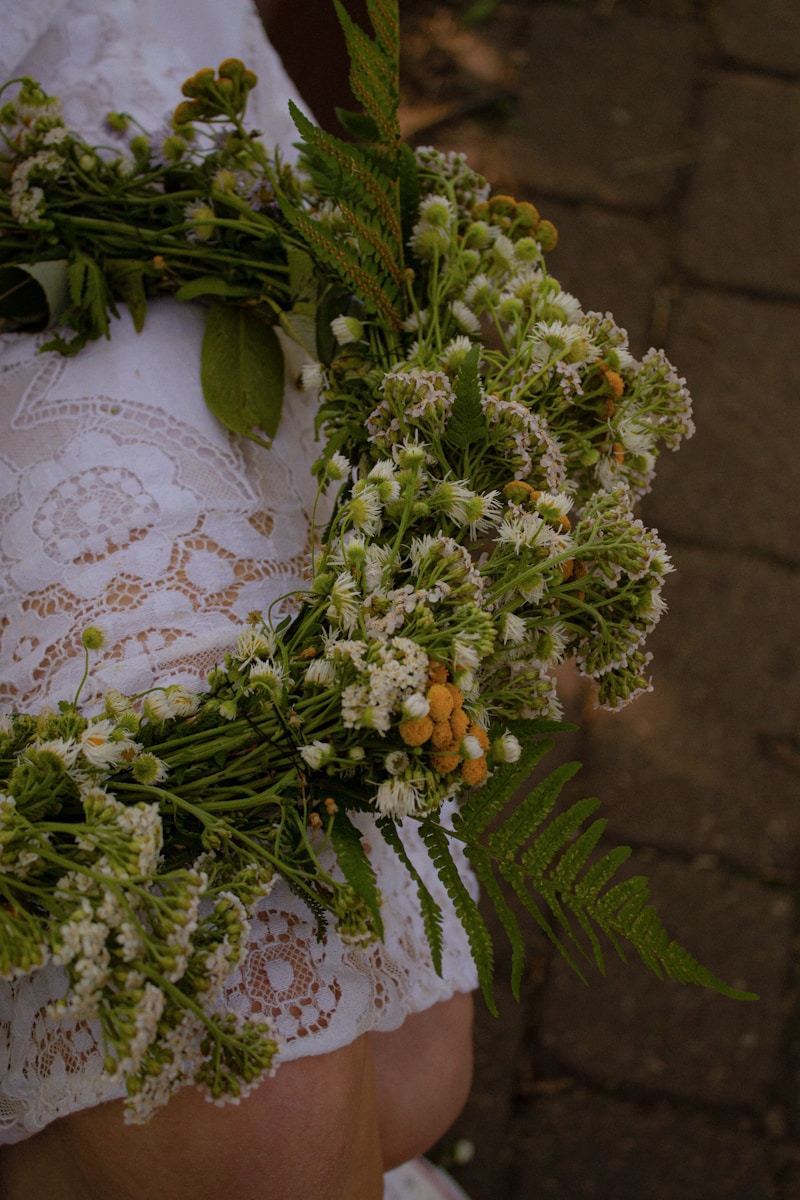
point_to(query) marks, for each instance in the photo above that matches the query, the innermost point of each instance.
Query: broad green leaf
(242, 372)
(33, 296)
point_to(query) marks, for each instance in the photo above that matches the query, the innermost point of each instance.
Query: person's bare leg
(423, 1073)
(311, 1131)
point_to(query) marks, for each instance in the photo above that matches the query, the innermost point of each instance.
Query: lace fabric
(124, 504)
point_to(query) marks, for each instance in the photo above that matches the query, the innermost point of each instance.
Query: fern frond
(354, 862)
(481, 863)
(485, 804)
(350, 271)
(546, 859)
(374, 70)
(343, 168)
(429, 909)
(385, 18)
(530, 812)
(373, 240)
(437, 843)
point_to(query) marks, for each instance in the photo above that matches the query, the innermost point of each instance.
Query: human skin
(324, 1126)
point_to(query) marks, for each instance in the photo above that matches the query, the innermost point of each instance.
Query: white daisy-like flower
(312, 376)
(465, 317)
(506, 748)
(415, 321)
(345, 601)
(320, 671)
(347, 330)
(317, 754)
(397, 798)
(101, 748)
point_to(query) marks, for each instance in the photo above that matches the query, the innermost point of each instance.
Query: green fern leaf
(374, 69)
(467, 423)
(354, 862)
(437, 842)
(485, 804)
(538, 858)
(530, 812)
(385, 18)
(429, 909)
(346, 266)
(481, 863)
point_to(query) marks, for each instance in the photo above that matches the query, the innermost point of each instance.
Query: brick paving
(663, 138)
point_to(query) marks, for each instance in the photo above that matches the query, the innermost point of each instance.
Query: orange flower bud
(437, 672)
(480, 735)
(416, 731)
(440, 701)
(459, 723)
(474, 771)
(442, 736)
(444, 763)
(547, 235)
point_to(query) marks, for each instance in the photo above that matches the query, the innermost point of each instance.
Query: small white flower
(101, 748)
(506, 748)
(465, 316)
(347, 330)
(316, 755)
(415, 706)
(396, 762)
(321, 672)
(470, 747)
(397, 798)
(312, 377)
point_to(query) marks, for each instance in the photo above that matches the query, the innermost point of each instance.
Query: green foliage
(519, 842)
(242, 371)
(352, 858)
(373, 184)
(467, 423)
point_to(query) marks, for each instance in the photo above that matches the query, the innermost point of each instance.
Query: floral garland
(486, 441)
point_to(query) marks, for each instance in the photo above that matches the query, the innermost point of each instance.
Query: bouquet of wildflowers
(485, 442)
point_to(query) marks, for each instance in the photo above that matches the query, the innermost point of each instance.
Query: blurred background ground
(663, 139)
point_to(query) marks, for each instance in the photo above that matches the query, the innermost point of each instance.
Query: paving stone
(700, 766)
(632, 1030)
(586, 126)
(764, 35)
(740, 217)
(580, 1145)
(611, 262)
(734, 484)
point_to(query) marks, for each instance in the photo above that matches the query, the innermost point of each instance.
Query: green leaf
(359, 125)
(302, 329)
(467, 424)
(302, 277)
(33, 296)
(353, 860)
(429, 909)
(212, 285)
(90, 296)
(242, 372)
(437, 843)
(126, 277)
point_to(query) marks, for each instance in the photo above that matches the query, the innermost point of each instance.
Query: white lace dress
(124, 504)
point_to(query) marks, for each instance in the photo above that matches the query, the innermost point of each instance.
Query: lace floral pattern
(124, 504)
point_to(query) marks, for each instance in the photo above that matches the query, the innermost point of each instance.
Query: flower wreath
(485, 442)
